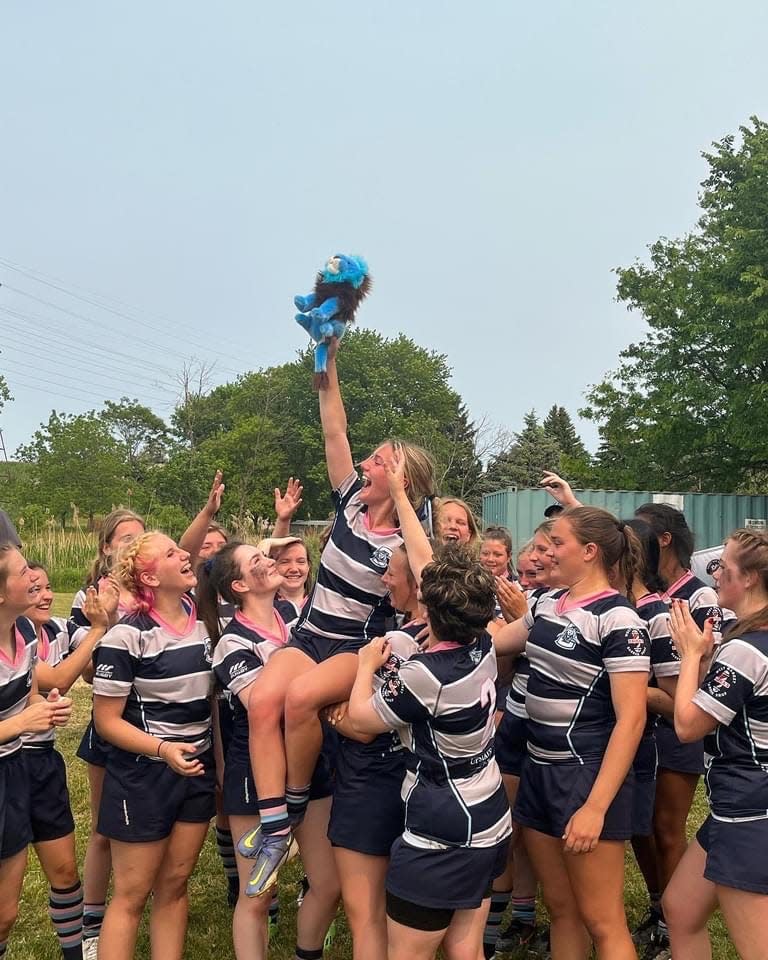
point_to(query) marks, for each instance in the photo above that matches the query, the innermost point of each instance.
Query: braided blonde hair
(133, 560)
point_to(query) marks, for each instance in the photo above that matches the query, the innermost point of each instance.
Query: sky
(172, 173)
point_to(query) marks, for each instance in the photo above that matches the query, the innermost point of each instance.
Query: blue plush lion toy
(339, 288)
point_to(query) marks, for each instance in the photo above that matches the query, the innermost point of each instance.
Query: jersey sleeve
(408, 695)
(116, 661)
(236, 663)
(624, 641)
(665, 660)
(735, 672)
(346, 489)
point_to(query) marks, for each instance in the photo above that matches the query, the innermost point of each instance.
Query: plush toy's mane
(348, 296)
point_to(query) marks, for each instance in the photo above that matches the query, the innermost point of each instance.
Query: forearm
(686, 713)
(193, 537)
(417, 544)
(333, 416)
(11, 728)
(617, 760)
(347, 729)
(124, 735)
(660, 703)
(361, 714)
(282, 527)
(64, 674)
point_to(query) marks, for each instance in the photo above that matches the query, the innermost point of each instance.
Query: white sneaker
(91, 949)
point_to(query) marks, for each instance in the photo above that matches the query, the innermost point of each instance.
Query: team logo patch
(380, 557)
(635, 642)
(568, 639)
(722, 681)
(207, 650)
(475, 656)
(392, 687)
(104, 671)
(715, 615)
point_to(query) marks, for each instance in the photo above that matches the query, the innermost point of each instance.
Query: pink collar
(279, 639)
(382, 531)
(188, 627)
(674, 587)
(648, 598)
(444, 645)
(565, 604)
(19, 651)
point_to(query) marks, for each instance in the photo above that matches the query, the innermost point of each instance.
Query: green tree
(683, 408)
(559, 425)
(75, 463)
(266, 424)
(5, 393)
(522, 464)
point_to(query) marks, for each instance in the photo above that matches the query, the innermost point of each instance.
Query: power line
(39, 277)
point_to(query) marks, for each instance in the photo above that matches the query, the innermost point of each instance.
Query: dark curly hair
(459, 596)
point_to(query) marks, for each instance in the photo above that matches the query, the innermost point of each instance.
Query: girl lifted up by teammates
(349, 606)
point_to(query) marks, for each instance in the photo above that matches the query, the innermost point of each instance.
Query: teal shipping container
(711, 516)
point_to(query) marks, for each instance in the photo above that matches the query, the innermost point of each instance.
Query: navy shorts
(368, 813)
(511, 744)
(93, 749)
(143, 798)
(644, 767)
(239, 798)
(735, 853)
(50, 811)
(676, 756)
(226, 722)
(15, 822)
(550, 794)
(458, 878)
(319, 648)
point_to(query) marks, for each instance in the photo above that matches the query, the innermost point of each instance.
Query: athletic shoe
(91, 948)
(645, 931)
(249, 844)
(517, 935)
(274, 852)
(657, 948)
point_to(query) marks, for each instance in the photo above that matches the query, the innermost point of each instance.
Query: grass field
(210, 919)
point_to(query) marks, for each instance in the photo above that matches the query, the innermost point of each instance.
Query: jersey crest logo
(207, 650)
(392, 687)
(380, 557)
(238, 669)
(568, 639)
(635, 642)
(715, 616)
(475, 656)
(723, 680)
(104, 671)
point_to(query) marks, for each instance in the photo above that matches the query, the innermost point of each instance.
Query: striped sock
(226, 848)
(499, 901)
(297, 799)
(524, 909)
(93, 917)
(65, 908)
(302, 954)
(274, 816)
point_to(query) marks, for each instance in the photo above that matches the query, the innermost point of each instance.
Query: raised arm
(417, 544)
(193, 537)
(64, 674)
(338, 455)
(286, 506)
(559, 489)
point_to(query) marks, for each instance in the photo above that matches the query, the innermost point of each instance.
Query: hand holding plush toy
(339, 287)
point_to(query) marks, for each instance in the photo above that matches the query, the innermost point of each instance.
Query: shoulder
(27, 630)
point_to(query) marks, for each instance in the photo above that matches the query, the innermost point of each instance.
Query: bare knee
(265, 709)
(301, 700)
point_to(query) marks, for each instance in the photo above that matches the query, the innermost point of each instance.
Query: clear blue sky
(493, 161)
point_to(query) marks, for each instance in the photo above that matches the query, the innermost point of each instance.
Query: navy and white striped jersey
(166, 676)
(665, 660)
(702, 601)
(78, 624)
(515, 702)
(52, 648)
(573, 647)
(403, 645)
(241, 653)
(735, 693)
(349, 601)
(16, 678)
(442, 703)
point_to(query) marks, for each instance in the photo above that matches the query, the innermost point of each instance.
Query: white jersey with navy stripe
(573, 647)
(735, 693)
(16, 678)
(349, 600)
(52, 648)
(167, 677)
(442, 703)
(515, 702)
